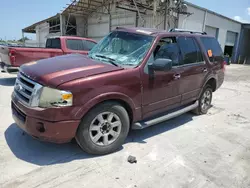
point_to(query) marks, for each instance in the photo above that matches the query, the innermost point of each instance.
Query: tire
(104, 129)
(200, 110)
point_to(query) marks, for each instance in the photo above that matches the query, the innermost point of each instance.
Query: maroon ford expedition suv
(133, 78)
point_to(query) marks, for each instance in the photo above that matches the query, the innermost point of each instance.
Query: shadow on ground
(41, 153)
(8, 81)
(33, 151)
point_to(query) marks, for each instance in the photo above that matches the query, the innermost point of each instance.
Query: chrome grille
(27, 91)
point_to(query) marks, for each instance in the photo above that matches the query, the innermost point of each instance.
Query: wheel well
(122, 103)
(212, 83)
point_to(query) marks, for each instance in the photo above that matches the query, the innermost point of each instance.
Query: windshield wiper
(110, 60)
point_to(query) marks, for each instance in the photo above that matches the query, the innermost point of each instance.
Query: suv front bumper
(50, 131)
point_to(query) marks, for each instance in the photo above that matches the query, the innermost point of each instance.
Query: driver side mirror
(161, 65)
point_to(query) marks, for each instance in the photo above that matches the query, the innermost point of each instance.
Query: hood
(61, 69)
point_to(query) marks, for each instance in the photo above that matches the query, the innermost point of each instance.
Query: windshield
(122, 48)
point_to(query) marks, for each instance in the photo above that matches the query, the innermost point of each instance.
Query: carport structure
(96, 18)
(76, 15)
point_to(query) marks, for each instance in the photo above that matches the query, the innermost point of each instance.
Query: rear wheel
(204, 101)
(104, 129)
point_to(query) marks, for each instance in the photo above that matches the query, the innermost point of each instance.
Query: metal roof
(32, 28)
(86, 7)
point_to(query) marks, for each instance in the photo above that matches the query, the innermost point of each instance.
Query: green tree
(23, 39)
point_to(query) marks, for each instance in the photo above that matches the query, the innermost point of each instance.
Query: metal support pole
(177, 20)
(110, 19)
(142, 20)
(165, 15)
(155, 13)
(136, 19)
(204, 21)
(62, 25)
(67, 24)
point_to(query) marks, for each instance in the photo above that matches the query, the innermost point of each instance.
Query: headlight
(53, 97)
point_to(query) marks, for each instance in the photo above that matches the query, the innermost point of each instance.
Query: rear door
(79, 46)
(161, 92)
(55, 46)
(194, 69)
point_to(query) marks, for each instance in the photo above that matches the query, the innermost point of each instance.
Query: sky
(236, 9)
(18, 14)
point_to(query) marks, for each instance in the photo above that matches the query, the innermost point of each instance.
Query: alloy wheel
(105, 128)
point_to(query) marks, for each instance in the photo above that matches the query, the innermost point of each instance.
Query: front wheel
(204, 101)
(104, 129)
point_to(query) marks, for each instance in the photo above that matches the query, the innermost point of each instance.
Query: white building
(97, 18)
(225, 29)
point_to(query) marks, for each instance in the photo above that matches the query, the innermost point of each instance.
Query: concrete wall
(122, 18)
(42, 31)
(100, 25)
(194, 21)
(53, 35)
(80, 26)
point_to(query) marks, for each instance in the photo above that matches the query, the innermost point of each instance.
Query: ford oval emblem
(18, 87)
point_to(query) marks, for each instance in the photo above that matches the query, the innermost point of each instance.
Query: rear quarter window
(74, 44)
(77, 44)
(53, 43)
(88, 45)
(212, 44)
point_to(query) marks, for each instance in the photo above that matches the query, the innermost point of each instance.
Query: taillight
(12, 54)
(224, 66)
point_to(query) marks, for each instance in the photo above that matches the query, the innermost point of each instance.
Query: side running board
(148, 123)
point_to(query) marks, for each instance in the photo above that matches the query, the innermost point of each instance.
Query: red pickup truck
(11, 58)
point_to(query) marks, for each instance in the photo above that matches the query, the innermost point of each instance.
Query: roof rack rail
(187, 31)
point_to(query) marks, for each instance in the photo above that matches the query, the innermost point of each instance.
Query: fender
(213, 76)
(104, 97)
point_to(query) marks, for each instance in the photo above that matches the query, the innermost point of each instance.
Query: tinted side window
(48, 43)
(88, 45)
(168, 49)
(190, 50)
(74, 44)
(213, 45)
(53, 43)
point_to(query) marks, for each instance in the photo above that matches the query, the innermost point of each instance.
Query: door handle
(177, 76)
(205, 70)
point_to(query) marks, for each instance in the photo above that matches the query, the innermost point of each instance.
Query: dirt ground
(189, 151)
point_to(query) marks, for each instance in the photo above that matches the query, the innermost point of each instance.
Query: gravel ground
(189, 151)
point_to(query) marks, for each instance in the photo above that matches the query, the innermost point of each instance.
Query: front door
(194, 69)
(161, 90)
